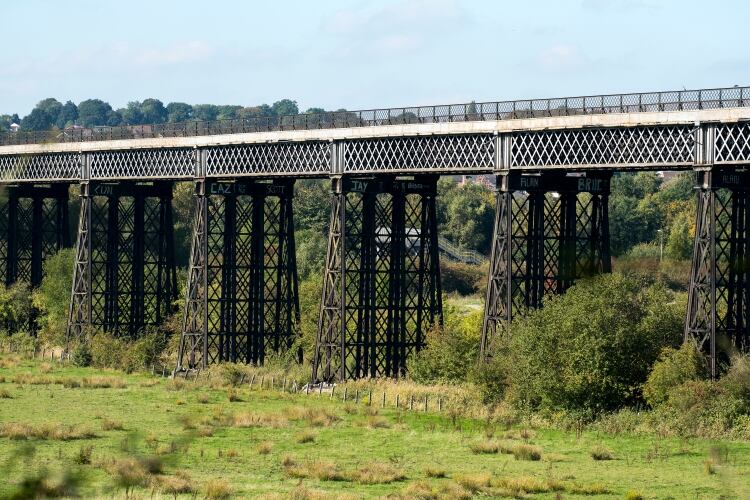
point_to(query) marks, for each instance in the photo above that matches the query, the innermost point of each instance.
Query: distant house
(14, 127)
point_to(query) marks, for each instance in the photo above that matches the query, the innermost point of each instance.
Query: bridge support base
(550, 229)
(124, 277)
(381, 289)
(718, 315)
(242, 301)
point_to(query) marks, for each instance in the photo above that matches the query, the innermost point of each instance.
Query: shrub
(52, 297)
(83, 457)
(601, 453)
(461, 278)
(81, 354)
(16, 307)
(451, 349)
(591, 349)
(736, 381)
(674, 367)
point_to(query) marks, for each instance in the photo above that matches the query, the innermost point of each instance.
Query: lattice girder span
(550, 229)
(381, 288)
(242, 294)
(718, 313)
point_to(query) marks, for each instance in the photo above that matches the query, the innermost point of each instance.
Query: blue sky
(362, 54)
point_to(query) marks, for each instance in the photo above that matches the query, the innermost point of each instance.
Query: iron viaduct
(553, 159)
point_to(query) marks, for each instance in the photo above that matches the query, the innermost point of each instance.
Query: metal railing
(681, 100)
(452, 251)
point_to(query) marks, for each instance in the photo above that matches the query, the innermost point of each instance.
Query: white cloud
(561, 57)
(396, 28)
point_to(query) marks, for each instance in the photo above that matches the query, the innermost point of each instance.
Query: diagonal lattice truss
(719, 294)
(242, 302)
(164, 163)
(381, 289)
(732, 143)
(631, 147)
(282, 159)
(550, 230)
(421, 154)
(40, 167)
(124, 278)
(653, 146)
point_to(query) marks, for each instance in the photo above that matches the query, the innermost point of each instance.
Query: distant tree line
(50, 113)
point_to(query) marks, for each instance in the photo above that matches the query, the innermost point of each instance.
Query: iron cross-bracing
(552, 158)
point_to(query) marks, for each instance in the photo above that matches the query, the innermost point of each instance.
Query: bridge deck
(612, 141)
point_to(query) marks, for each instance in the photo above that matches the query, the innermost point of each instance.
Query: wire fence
(680, 100)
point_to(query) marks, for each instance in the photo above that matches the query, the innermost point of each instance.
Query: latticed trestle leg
(381, 288)
(33, 226)
(550, 229)
(124, 278)
(718, 315)
(242, 299)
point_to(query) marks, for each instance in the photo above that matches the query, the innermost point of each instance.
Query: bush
(674, 367)
(464, 279)
(108, 351)
(52, 297)
(591, 349)
(15, 308)
(82, 354)
(451, 349)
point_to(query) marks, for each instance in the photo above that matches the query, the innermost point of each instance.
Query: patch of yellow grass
(252, 419)
(218, 489)
(378, 473)
(306, 436)
(265, 447)
(112, 425)
(487, 446)
(56, 432)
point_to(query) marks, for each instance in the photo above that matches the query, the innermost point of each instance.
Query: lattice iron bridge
(553, 159)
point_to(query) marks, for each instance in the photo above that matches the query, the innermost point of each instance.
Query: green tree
(153, 111)
(37, 120)
(179, 112)
(67, 116)
(285, 107)
(131, 115)
(592, 349)
(466, 214)
(205, 112)
(312, 205)
(264, 110)
(52, 297)
(94, 112)
(680, 241)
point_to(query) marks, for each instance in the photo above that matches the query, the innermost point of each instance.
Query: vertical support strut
(550, 229)
(381, 287)
(718, 313)
(124, 276)
(242, 301)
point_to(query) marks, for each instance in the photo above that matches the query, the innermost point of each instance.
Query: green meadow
(69, 431)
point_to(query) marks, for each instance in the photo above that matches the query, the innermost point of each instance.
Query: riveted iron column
(550, 229)
(242, 282)
(80, 311)
(193, 343)
(719, 293)
(381, 288)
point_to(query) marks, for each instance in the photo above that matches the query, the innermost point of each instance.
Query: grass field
(149, 437)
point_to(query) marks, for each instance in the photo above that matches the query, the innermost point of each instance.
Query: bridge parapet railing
(680, 100)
